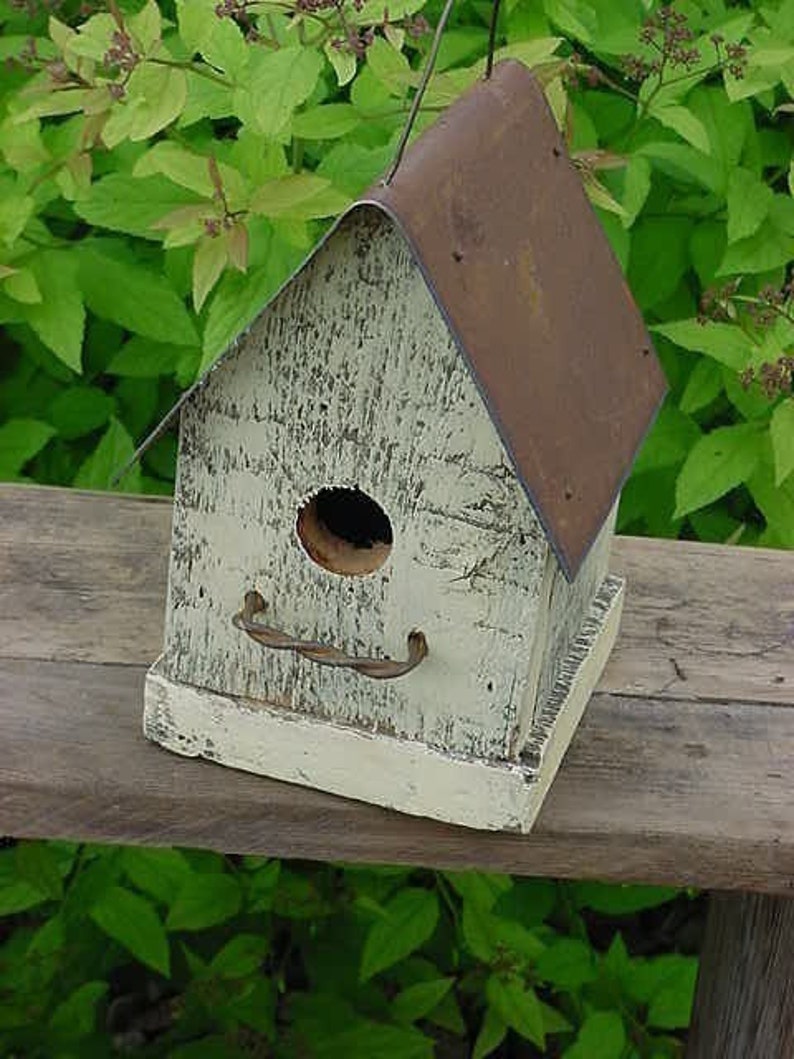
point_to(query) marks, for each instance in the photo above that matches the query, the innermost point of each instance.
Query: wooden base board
(396, 773)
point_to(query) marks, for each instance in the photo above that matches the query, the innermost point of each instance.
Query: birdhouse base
(396, 773)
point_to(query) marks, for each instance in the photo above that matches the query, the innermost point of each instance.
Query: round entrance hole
(345, 531)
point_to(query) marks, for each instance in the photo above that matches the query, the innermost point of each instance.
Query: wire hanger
(427, 74)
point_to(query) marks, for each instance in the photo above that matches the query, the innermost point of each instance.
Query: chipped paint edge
(395, 773)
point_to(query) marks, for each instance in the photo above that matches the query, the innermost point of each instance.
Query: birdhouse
(396, 491)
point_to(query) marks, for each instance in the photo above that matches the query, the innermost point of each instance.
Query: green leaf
(602, 1036)
(553, 1020)
(59, 319)
(343, 63)
(418, 1001)
(352, 168)
(411, 917)
(726, 343)
(781, 431)
(300, 196)
(160, 873)
(776, 502)
(390, 67)
(518, 1006)
(770, 247)
(131, 295)
(238, 298)
(685, 123)
(18, 897)
(671, 1006)
(717, 463)
(132, 204)
(240, 957)
(492, 1032)
(636, 187)
(685, 164)
(703, 385)
(326, 122)
(15, 212)
(480, 888)
(486, 935)
(76, 1016)
(749, 200)
(670, 439)
(618, 900)
(707, 248)
(79, 410)
(131, 921)
(204, 901)
(262, 886)
(567, 964)
(155, 97)
(728, 126)
(37, 865)
(276, 84)
(142, 358)
(528, 902)
(184, 167)
(209, 261)
(20, 441)
(368, 1038)
(659, 258)
(21, 285)
(112, 453)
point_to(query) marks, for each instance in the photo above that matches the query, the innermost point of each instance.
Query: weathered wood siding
(350, 379)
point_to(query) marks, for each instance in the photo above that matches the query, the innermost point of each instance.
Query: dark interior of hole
(352, 516)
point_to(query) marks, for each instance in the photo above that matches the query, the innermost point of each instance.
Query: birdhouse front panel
(342, 463)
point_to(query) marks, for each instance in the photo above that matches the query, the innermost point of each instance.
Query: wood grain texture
(379, 769)
(680, 771)
(744, 1005)
(641, 794)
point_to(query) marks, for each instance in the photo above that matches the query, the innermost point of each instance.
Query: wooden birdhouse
(396, 492)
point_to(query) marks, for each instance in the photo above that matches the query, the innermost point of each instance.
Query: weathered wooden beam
(744, 1006)
(681, 770)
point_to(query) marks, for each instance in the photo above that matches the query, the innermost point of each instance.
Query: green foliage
(184, 953)
(164, 168)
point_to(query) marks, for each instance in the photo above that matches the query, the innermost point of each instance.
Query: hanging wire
(420, 91)
(427, 74)
(492, 39)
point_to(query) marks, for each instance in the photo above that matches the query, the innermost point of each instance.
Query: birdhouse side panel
(570, 604)
(350, 381)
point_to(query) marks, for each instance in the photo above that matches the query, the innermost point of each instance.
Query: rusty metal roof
(516, 259)
(499, 224)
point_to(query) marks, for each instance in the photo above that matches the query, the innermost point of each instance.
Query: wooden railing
(681, 772)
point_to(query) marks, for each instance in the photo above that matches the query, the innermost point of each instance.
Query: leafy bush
(196, 956)
(163, 168)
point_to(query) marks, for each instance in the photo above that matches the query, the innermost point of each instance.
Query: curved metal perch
(326, 654)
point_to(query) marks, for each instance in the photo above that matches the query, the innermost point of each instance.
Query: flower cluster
(716, 303)
(776, 379)
(578, 73)
(237, 11)
(669, 34)
(416, 26)
(32, 8)
(122, 54)
(356, 41)
(719, 303)
(736, 56)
